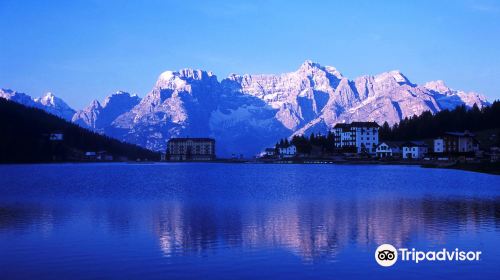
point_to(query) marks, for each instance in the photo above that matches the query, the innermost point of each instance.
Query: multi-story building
(190, 149)
(287, 152)
(456, 143)
(357, 137)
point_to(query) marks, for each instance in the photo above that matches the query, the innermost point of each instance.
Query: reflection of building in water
(168, 225)
(313, 230)
(185, 229)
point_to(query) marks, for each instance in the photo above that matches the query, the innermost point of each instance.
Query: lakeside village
(349, 142)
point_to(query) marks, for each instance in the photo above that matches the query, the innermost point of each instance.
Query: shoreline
(484, 167)
(479, 167)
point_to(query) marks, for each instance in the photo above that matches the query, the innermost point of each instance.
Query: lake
(242, 221)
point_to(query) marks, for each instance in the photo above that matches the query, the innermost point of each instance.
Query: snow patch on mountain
(246, 113)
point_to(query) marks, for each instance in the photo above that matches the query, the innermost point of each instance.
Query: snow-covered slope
(246, 113)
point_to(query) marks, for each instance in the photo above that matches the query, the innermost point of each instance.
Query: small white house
(269, 152)
(388, 149)
(287, 152)
(414, 150)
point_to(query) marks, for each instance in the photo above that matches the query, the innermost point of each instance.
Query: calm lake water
(242, 221)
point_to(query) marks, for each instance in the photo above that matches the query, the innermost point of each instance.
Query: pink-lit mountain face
(246, 113)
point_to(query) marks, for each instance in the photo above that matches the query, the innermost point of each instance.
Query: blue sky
(83, 50)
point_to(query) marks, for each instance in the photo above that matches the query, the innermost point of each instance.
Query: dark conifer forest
(428, 125)
(25, 137)
(425, 126)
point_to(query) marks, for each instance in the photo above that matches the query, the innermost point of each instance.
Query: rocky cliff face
(449, 98)
(314, 98)
(246, 113)
(180, 103)
(98, 117)
(299, 97)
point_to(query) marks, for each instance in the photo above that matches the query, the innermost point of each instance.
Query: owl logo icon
(386, 255)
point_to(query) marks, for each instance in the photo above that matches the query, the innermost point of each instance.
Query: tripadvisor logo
(387, 255)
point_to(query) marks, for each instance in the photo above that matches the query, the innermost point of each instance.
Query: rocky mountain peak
(394, 75)
(247, 112)
(17, 97)
(48, 99)
(438, 86)
(100, 117)
(121, 97)
(311, 68)
(55, 105)
(308, 65)
(6, 91)
(182, 80)
(95, 104)
(185, 74)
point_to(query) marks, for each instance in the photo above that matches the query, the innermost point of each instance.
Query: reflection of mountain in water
(317, 230)
(314, 230)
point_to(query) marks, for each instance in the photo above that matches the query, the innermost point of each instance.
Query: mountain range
(246, 113)
(49, 103)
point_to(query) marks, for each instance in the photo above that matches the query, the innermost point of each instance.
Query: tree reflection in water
(318, 229)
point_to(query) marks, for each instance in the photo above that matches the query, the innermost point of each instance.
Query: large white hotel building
(356, 137)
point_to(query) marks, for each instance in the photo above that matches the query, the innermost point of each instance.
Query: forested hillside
(421, 127)
(25, 134)
(429, 125)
